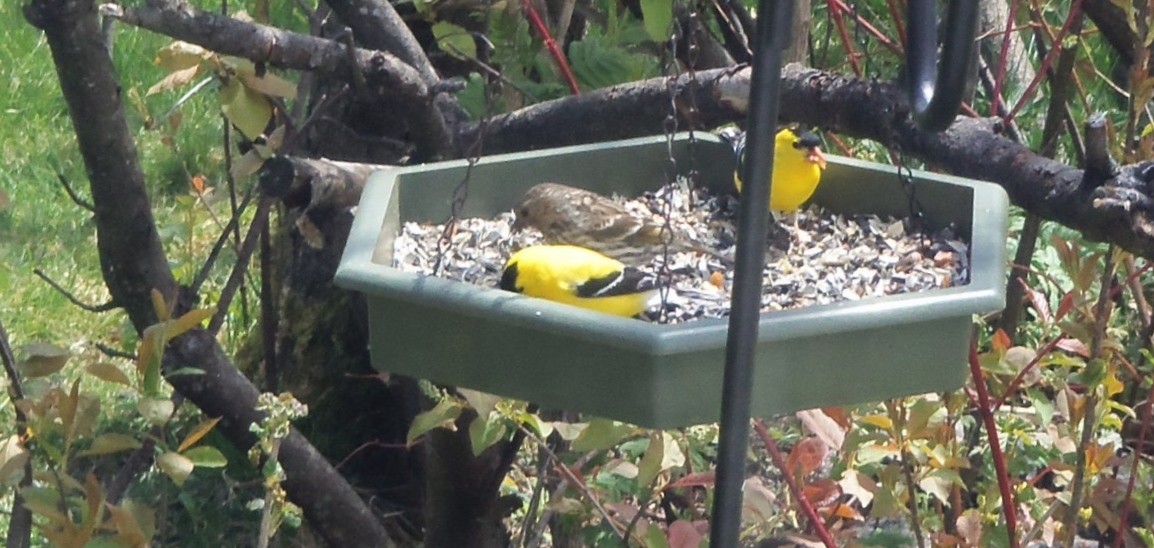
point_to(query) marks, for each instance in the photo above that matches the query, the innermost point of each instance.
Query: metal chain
(694, 50)
(669, 126)
(906, 180)
(461, 192)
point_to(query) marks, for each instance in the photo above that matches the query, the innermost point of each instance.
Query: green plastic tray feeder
(653, 375)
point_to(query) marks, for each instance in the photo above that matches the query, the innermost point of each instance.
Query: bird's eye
(523, 213)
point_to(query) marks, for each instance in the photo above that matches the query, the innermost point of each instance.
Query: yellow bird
(797, 165)
(579, 277)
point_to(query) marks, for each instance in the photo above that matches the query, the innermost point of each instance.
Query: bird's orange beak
(816, 157)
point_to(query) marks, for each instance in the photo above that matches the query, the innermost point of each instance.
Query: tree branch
(398, 85)
(134, 263)
(377, 25)
(131, 257)
(1117, 209)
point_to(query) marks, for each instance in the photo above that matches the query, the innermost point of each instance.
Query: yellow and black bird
(580, 277)
(797, 165)
(575, 216)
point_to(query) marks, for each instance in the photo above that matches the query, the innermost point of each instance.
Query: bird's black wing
(625, 282)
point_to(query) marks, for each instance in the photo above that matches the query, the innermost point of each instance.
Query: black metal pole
(773, 20)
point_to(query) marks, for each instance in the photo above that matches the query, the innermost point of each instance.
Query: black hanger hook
(936, 91)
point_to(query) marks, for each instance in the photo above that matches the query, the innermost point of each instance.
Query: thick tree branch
(131, 256)
(134, 263)
(398, 85)
(330, 503)
(377, 25)
(1116, 209)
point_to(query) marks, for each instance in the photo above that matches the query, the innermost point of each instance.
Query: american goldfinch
(797, 165)
(579, 277)
(574, 216)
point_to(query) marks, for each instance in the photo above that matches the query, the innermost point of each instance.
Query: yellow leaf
(180, 55)
(246, 165)
(106, 444)
(200, 431)
(269, 84)
(155, 411)
(13, 455)
(175, 79)
(880, 421)
(42, 359)
(108, 372)
(163, 312)
(128, 530)
(188, 321)
(176, 466)
(246, 109)
(151, 343)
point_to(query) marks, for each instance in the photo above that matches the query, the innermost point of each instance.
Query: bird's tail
(734, 136)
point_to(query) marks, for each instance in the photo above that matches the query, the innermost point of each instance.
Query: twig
(835, 11)
(1139, 447)
(1102, 313)
(1073, 18)
(97, 308)
(578, 484)
(214, 253)
(1013, 386)
(243, 255)
(551, 45)
(268, 318)
(72, 194)
(112, 352)
(1009, 504)
(1003, 56)
(20, 523)
(794, 488)
(898, 416)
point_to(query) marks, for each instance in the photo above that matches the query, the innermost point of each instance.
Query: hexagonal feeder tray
(655, 375)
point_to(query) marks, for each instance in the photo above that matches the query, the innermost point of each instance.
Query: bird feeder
(659, 375)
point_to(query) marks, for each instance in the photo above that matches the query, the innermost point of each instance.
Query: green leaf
(1043, 406)
(246, 108)
(483, 403)
(454, 40)
(655, 536)
(650, 464)
(155, 410)
(106, 444)
(483, 433)
(443, 414)
(206, 456)
(601, 434)
(658, 16)
(597, 63)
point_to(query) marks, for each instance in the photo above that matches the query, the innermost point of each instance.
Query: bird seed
(823, 258)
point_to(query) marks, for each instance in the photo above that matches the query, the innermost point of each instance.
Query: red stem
(835, 9)
(779, 462)
(1003, 55)
(1138, 449)
(1013, 386)
(1044, 68)
(885, 40)
(896, 15)
(551, 45)
(1009, 504)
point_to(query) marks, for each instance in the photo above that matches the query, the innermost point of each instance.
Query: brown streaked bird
(574, 216)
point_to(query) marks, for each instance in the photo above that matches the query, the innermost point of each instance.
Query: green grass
(43, 229)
